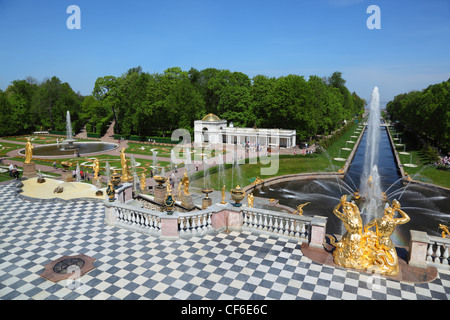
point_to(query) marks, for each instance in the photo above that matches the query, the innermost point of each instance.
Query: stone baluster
(445, 255)
(270, 227)
(182, 231)
(430, 252)
(260, 222)
(437, 253)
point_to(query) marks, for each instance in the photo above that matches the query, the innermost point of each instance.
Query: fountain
(70, 145)
(69, 138)
(426, 205)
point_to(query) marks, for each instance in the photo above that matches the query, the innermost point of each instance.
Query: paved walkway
(130, 265)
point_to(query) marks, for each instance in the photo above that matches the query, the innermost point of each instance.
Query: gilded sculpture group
(369, 250)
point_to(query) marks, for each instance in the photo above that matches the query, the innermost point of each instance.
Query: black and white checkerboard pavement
(130, 265)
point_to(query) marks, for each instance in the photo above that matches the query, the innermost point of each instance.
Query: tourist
(54, 164)
(82, 174)
(11, 168)
(15, 172)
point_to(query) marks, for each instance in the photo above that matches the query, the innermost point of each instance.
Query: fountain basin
(83, 148)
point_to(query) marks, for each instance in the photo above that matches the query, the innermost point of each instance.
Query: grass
(287, 164)
(423, 172)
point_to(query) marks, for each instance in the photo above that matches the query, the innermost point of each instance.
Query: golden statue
(123, 161)
(299, 210)
(96, 167)
(223, 195)
(371, 250)
(179, 189)
(386, 256)
(348, 252)
(356, 194)
(444, 230)
(250, 199)
(28, 151)
(143, 184)
(258, 180)
(185, 182)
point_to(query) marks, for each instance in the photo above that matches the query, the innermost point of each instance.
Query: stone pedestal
(418, 247)
(160, 194)
(186, 201)
(29, 170)
(206, 202)
(318, 227)
(97, 182)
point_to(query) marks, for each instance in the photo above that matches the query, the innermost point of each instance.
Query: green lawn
(287, 164)
(423, 172)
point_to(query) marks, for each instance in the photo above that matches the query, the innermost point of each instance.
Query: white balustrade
(137, 219)
(282, 224)
(438, 252)
(191, 224)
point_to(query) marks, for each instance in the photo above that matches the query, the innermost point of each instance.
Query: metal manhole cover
(62, 266)
(60, 269)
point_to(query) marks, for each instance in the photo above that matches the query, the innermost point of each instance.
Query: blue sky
(273, 38)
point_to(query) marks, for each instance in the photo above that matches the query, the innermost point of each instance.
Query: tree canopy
(154, 104)
(426, 112)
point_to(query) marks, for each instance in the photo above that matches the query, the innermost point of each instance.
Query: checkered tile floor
(134, 266)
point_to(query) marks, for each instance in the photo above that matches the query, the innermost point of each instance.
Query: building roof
(211, 117)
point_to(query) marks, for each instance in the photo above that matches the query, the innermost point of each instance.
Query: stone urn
(66, 165)
(207, 191)
(160, 181)
(115, 179)
(237, 194)
(207, 201)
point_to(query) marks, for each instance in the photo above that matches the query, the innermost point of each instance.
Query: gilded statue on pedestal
(223, 195)
(143, 184)
(123, 161)
(250, 199)
(28, 151)
(185, 182)
(96, 167)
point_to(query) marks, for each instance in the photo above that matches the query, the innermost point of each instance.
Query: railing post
(318, 227)
(169, 227)
(110, 214)
(418, 247)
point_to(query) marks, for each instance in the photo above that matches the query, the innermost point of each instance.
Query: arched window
(205, 134)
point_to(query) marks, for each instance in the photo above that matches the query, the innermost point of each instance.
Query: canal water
(426, 206)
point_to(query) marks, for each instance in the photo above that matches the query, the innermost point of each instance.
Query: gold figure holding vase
(28, 151)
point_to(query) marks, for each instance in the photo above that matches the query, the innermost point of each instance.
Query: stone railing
(281, 224)
(133, 218)
(213, 219)
(437, 253)
(428, 250)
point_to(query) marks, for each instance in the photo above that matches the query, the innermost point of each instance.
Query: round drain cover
(61, 266)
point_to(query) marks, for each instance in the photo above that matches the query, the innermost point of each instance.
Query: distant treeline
(144, 104)
(426, 112)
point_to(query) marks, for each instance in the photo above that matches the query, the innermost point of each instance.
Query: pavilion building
(213, 130)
